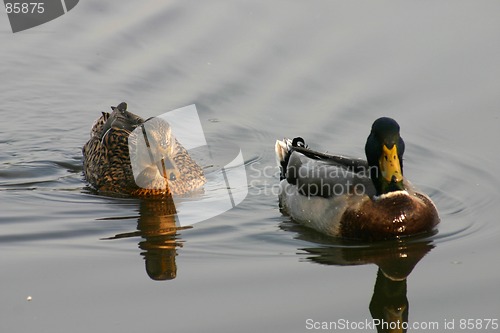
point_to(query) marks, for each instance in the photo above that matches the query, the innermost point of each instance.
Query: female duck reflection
(389, 304)
(127, 155)
(160, 238)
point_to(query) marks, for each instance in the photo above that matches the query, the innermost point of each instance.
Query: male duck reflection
(114, 152)
(353, 198)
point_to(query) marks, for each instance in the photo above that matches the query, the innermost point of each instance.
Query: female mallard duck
(128, 155)
(353, 198)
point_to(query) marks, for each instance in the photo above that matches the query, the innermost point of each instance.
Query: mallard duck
(354, 198)
(127, 155)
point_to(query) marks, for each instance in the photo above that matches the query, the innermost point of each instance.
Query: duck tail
(284, 149)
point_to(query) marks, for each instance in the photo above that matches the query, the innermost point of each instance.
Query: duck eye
(172, 176)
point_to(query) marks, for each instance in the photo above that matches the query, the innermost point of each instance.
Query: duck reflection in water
(395, 259)
(158, 228)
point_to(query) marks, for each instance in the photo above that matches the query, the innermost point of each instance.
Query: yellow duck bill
(390, 166)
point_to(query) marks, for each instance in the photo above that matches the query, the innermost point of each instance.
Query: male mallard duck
(353, 198)
(115, 161)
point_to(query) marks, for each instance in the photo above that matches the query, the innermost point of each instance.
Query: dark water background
(256, 71)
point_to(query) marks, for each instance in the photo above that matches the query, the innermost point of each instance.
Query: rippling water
(257, 71)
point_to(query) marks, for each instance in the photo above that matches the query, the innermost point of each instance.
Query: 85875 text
(24, 7)
(472, 324)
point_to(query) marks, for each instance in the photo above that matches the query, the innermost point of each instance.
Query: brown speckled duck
(353, 198)
(114, 152)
